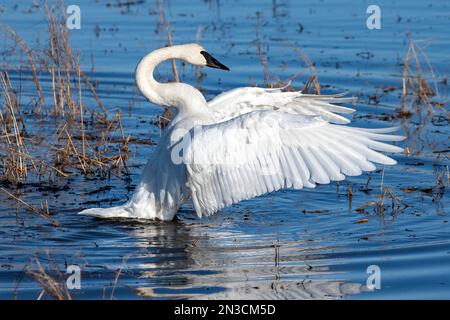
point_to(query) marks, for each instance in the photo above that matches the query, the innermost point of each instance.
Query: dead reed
(32, 64)
(164, 24)
(262, 56)
(272, 81)
(383, 205)
(42, 212)
(76, 123)
(52, 282)
(13, 152)
(419, 84)
(313, 80)
(78, 133)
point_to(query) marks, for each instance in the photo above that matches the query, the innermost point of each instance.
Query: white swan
(244, 143)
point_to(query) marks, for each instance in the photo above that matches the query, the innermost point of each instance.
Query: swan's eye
(213, 62)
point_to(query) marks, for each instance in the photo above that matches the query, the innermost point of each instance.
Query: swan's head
(197, 55)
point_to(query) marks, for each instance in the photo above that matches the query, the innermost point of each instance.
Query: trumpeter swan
(244, 143)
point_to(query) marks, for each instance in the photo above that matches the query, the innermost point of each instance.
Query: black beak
(212, 62)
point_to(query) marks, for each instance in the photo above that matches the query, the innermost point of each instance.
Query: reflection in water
(310, 289)
(213, 269)
(159, 257)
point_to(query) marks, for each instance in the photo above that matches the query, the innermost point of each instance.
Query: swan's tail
(114, 212)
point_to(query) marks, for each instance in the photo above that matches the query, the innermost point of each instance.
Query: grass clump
(78, 135)
(64, 129)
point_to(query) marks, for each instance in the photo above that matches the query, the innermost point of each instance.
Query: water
(289, 244)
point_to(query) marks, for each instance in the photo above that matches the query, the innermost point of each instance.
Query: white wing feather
(239, 101)
(265, 151)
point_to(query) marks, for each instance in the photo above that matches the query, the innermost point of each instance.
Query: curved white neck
(184, 97)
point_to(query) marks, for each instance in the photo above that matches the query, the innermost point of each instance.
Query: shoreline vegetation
(75, 137)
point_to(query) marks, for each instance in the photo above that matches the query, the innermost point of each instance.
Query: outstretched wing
(264, 151)
(239, 101)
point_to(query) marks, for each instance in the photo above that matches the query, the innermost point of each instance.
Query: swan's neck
(186, 99)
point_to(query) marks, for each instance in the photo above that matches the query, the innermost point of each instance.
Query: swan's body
(243, 143)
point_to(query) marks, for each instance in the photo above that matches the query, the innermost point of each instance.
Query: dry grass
(76, 124)
(13, 152)
(69, 135)
(419, 84)
(164, 23)
(313, 81)
(262, 56)
(118, 274)
(46, 272)
(42, 212)
(52, 282)
(272, 81)
(387, 201)
(32, 64)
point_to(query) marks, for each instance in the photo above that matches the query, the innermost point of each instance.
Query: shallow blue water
(289, 244)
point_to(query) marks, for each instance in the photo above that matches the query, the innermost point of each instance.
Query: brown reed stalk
(54, 286)
(14, 164)
(166, 24)
(261, 54)
(419, 83)
(313, 79)
(32, 65)
(43, 212)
